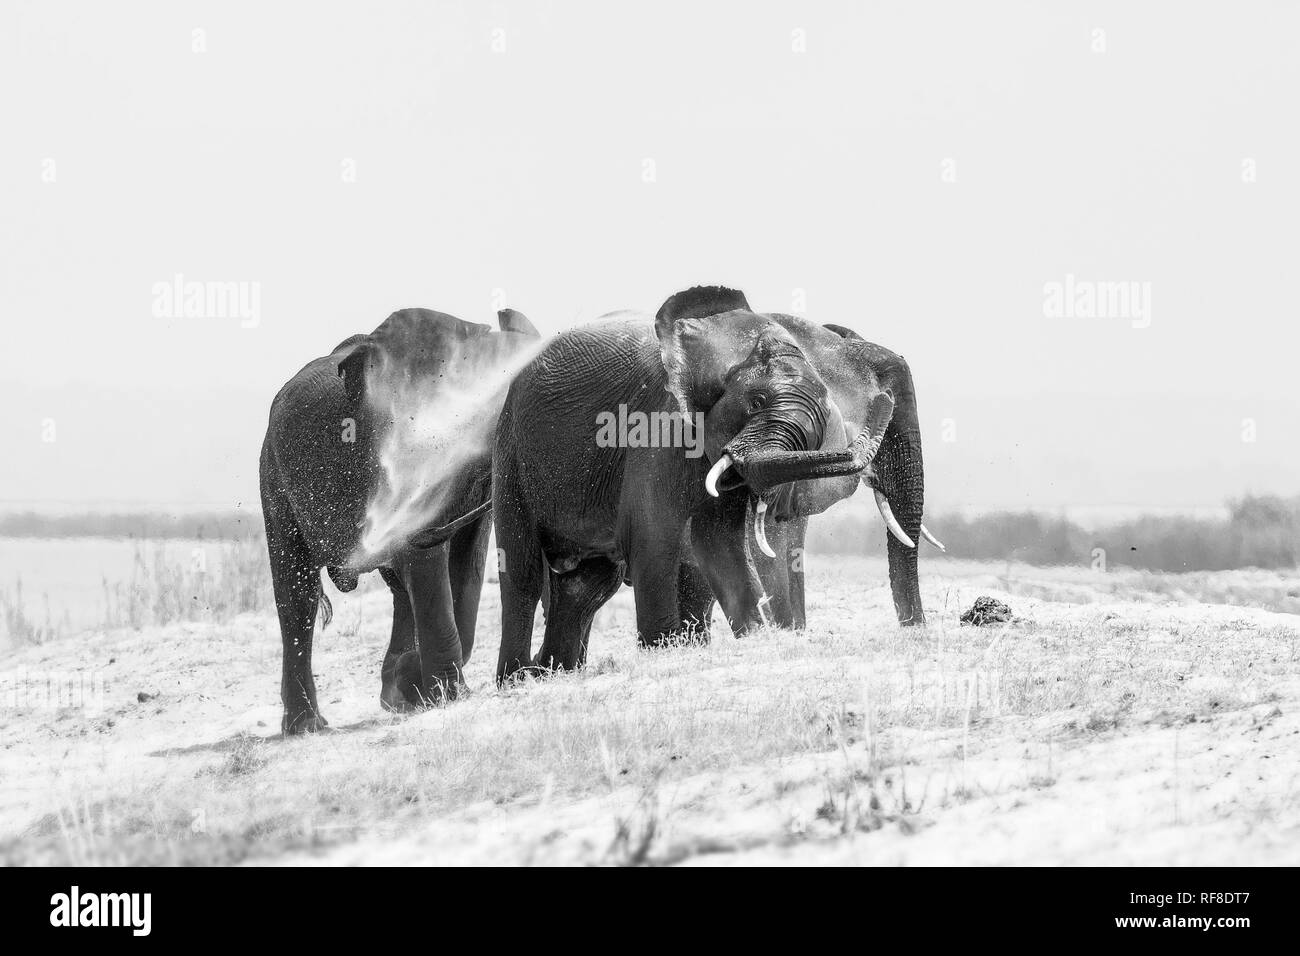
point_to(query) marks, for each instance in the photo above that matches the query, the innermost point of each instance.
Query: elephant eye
(757, 402)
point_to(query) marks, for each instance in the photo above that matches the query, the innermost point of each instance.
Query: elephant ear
(880, 411)
(698, 303)
(354, 366)
(875, 388)
(701, 354)
(704, 333)
(687, 343)
(511, 321)
(841, 432)
(843, 331)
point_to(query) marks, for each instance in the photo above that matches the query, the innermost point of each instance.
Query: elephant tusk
(891, 522)
(711, 479)
(760, 528)
(932, 539)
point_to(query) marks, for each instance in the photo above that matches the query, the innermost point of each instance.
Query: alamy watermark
(638, 429)
(191, 299)
(129, 910)
(1089, 299)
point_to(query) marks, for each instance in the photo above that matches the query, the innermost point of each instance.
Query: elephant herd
(756, 422)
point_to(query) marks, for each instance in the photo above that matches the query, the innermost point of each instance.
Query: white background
(484, 173)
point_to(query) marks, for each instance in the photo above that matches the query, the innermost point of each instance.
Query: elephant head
(833, 410)
(769, 417)
(432, 386)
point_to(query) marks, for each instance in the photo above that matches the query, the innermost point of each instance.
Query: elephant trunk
(432, 537)
(764, 470)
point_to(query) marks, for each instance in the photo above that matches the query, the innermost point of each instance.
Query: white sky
(775, 171)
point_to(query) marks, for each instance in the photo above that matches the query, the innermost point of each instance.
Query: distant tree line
(145, 526)
(1260, 531)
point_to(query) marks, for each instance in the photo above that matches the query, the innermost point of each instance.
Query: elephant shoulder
(617, 336)
(607, 361)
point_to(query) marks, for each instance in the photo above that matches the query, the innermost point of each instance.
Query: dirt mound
(987, 610)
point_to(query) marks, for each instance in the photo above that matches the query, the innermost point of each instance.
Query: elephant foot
(650, 641)
(694, 633)
(687, 636)
(514, 675)
(437, 696)
(396, 703)
(401, 684)
(527, 670)
(442, 691)
(547, 662)
(306, 722)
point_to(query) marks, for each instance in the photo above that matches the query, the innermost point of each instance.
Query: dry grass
(161, 582)
(134, 584)
(214, 582)
(19, 624)
(1108, 731)
(1272, 590)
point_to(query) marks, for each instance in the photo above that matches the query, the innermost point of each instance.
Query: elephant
(781, 566)
(737, 411)
(325, 462)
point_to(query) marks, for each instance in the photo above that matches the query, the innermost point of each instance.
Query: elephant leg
(794, 556)
(401, 687)
(694, 599)
(782, 576)
(428, 585)
(295, 578)
(774, 573)
(467, 558)
(520, 574)
(576, 596)
(720, 542)
(654, 570)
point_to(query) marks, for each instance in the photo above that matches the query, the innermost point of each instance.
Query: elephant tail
(325, 607)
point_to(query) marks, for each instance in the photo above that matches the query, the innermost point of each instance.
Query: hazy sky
(918, 171)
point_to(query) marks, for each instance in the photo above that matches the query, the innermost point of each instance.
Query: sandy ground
(1094, 729)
